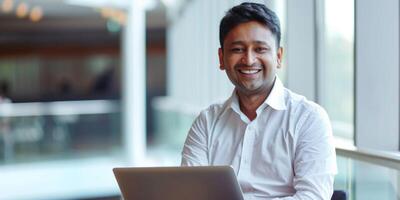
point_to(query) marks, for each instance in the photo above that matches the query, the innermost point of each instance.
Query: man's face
(250, 57)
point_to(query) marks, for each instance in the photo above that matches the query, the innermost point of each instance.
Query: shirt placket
(245, 159)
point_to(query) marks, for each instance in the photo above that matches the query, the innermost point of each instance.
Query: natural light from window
(337, 66)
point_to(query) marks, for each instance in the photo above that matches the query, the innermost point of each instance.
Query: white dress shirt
(286, 152)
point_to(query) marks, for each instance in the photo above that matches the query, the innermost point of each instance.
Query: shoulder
(208, 117)
(305, 111)
(213, 111)
(301, 104)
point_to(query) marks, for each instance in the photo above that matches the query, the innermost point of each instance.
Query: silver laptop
(178, 183)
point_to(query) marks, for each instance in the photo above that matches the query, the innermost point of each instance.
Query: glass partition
(31, 132)
(366, 181)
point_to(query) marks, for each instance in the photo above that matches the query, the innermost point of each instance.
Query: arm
(195, 151)
(315, 159)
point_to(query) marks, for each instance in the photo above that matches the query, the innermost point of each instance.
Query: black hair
(247, 12)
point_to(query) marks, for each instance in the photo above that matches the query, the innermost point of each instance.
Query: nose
(248, 58)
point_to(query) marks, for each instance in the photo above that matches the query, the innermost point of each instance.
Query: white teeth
(249, 71)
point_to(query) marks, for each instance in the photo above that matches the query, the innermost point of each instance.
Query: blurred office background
(88, 85)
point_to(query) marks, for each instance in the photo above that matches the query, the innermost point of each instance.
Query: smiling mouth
(249, 71)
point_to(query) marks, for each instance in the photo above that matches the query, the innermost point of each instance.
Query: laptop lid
(178, 183)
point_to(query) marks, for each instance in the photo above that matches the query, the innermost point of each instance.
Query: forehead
(250, 32)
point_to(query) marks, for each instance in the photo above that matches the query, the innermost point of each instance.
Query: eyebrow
(256, 41)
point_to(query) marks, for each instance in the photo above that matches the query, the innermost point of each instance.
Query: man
(279, 143)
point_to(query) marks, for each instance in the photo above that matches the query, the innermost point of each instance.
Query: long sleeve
(315, 159)
(194, 151)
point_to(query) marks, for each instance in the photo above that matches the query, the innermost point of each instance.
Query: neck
(250, 102)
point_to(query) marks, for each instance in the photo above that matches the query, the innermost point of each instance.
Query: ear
(279, 57)
(221, 59)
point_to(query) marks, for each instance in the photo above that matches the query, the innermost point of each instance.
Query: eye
(261, 49)
(237, 50)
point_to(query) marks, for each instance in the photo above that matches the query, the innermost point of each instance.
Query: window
(336, 65)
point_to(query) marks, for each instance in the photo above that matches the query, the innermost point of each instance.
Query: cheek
(233, 60)
(270, 65)
(270, 61)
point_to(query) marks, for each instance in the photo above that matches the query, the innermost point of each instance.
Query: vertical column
(225, 86)
(301, 54)
(134, 84)
(377, 74)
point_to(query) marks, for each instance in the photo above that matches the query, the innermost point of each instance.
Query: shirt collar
(275, 99)
(233, 102)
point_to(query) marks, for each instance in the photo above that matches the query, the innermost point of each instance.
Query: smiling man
(279, 143)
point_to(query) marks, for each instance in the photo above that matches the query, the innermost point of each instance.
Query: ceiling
(67, 13)
(64, 23)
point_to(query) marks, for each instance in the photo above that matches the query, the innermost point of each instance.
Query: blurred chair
(339, 195)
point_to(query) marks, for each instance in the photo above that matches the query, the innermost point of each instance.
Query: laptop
(178, 183)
